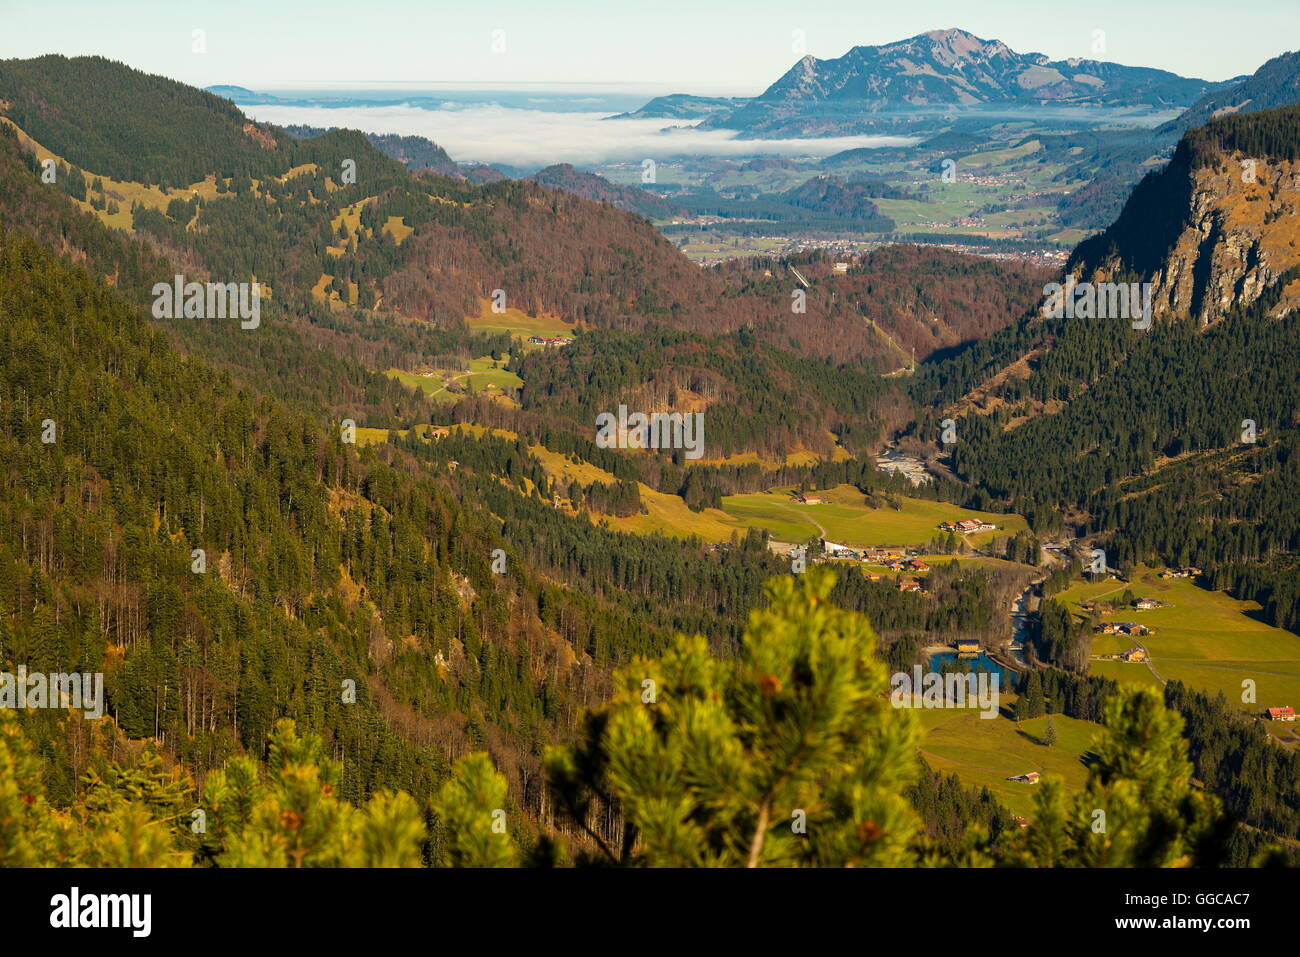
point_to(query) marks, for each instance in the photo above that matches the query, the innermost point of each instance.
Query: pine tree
(1034, 707)
(1139, 807)
(297, 819)
(471, 808)
(789, 755)
(1049, 733)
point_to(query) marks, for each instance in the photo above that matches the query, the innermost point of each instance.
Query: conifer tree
(296, 817)
(1049, 733)
(1139, 807)
(789, 755)
(471, 808)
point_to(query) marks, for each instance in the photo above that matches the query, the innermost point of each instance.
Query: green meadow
(518, 323)
(984, 752)
(847, 519)
(1206, 639)
(483, 375)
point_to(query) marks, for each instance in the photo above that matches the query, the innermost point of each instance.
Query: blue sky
(698, 46)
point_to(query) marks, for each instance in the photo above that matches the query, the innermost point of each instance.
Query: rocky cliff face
(1210, 235)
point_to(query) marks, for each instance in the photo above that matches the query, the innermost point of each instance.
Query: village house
(836, 550)
(1124, 628)
(918, 565)
(967, 526)
(806, 499)
(909, 584)
(1146, 604)
(1285, 713)
(439, 432)
(549, 340)
(1134, 654)
(884, 553)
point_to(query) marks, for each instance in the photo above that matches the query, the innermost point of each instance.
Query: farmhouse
(1134, 654)
(439, 432)
(918, 565)
(1285, 713)
(806, 499)
(1123, 628)
(909, 584)
(1146, 604)
(967, 526)
(1029, 777)
(881, 555)
(549, 340)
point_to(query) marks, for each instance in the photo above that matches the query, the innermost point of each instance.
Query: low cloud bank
(532, 138)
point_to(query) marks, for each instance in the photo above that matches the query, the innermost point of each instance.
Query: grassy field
(997, 157)
(847, 520)
(1206, 639)
(738, 247)
(667, 514)
(518, 323)
(984, 752)
(124, 193)
(396, 227)
(483, 375)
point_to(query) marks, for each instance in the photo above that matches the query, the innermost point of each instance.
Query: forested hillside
(1175, 444)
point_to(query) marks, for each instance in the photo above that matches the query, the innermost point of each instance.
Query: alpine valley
(365, 584)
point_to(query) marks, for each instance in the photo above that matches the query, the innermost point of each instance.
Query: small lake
(1006, 677)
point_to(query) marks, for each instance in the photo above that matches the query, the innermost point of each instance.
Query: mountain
(1118, 159)
(953, 67)
(834, 195)
(1276, 83)
(415, 153)
(683, 106)
(382, 273)
(151, 130)
(1177, 444)
(1217, 227)
(240, 94)
(598, 189)
(939, 71)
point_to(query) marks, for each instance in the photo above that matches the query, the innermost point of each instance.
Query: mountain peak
(958, 40)
(955, 67)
